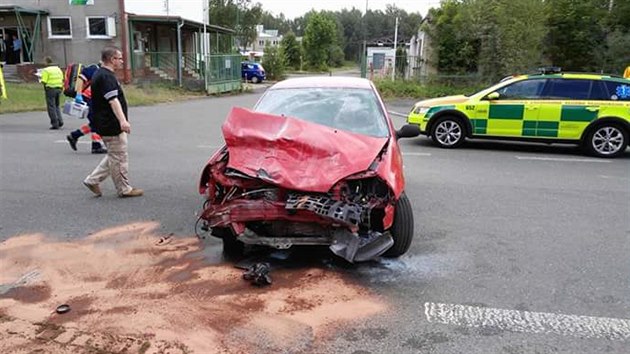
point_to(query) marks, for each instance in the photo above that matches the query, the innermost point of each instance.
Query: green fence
(214, 73)
(223, 73)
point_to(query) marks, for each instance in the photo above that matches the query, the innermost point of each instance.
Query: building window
(96, 27)
(59, 27)
(261, 43)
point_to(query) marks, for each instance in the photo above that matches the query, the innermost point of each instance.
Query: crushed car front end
(297, 189)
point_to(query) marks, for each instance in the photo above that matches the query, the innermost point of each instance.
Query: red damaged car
(316, 162)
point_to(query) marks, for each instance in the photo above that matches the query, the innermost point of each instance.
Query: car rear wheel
(402, 228)
(255, 79)
(448, 132)
(606, 140)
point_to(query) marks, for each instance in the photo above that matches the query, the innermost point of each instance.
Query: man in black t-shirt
(109, 114)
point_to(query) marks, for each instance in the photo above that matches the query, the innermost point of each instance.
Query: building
(265, 37)
(420, 55)
(165, 40)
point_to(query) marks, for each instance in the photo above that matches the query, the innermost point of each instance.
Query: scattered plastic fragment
(258, 274)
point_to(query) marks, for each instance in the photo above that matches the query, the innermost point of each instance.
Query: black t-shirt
(105, 87)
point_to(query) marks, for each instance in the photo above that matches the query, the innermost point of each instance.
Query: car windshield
(353, 110)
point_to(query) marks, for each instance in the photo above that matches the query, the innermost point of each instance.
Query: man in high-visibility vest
(3, 88)
(626, 74)
(52, 79)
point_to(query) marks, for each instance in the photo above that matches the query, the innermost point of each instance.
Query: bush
(416, 90)
(274, 63)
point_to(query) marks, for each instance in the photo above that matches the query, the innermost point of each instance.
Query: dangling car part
(316, 162)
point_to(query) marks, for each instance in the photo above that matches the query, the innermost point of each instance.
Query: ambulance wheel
(448, 132)
(402, 228)
(606, 140)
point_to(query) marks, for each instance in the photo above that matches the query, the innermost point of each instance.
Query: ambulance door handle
(592, 109)
(531, 108)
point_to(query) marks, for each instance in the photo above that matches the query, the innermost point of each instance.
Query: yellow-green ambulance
(588, 109)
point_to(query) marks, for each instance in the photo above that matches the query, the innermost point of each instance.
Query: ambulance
(551, 106)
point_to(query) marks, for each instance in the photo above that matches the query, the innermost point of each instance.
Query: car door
(567, 107)
(515, 112)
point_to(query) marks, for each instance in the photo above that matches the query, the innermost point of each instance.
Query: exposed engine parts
(349, 218)
(324, 206)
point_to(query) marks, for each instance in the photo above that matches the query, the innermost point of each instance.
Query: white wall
(187, 9)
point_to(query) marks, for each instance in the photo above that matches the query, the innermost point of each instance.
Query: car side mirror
(408, 131)
(493, 96)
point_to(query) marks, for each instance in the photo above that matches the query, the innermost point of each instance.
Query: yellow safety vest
(3, 88)
(626, 74)
(52, 76)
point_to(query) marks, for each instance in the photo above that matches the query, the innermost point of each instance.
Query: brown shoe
(94, 188)
(134, 192)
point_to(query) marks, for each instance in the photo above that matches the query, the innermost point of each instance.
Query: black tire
(606, 140)
(232, 247)
(402, 228)
(255, 79)
(448, 132)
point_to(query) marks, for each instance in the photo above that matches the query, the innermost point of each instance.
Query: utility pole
(395, 45)
(364, 51)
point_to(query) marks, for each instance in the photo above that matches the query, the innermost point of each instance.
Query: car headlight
(421, 110)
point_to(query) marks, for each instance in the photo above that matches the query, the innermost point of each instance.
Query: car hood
(442, 101)
(293, 153)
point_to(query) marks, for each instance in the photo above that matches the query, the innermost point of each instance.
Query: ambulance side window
(617, 91)
(523, 89)
(572, 89)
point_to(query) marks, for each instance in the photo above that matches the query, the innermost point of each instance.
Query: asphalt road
(515, 244)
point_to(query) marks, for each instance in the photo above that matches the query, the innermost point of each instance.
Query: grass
(25, 97)
(415, 90)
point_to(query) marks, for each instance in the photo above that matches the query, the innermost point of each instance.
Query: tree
(292, 50)
(274, 62)
(319, 36)
(239, 15)
(576, 36)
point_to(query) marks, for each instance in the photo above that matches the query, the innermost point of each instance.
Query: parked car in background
(253, 72)
(592, 110)
(316, 162)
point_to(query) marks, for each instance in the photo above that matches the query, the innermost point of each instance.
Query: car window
(522, 89)
(354, 110)
(599, 91)
(575, 89)
(617, 91)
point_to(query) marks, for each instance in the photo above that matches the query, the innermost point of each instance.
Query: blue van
(253, 72)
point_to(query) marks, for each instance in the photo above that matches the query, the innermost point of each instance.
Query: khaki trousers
(114, 164)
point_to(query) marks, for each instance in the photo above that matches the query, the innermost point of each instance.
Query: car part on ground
(258, 274)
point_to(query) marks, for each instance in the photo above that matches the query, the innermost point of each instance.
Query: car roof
(324, 81)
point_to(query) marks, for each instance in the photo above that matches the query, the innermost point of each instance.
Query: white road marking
(87, 141)
(398, 114)
(613, 177)
(560, 159)
(416, 154)
(528, 322)
(209, 147)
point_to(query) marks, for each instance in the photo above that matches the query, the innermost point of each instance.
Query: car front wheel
(448, 132)
(606, 140)
(255, 79)
(402, 228)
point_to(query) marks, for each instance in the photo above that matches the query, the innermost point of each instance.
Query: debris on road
(61, 309)
(258, 274)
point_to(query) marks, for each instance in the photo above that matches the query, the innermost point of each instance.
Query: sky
(297, 8)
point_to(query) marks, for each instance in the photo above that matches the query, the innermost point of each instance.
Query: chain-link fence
(415, 69)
